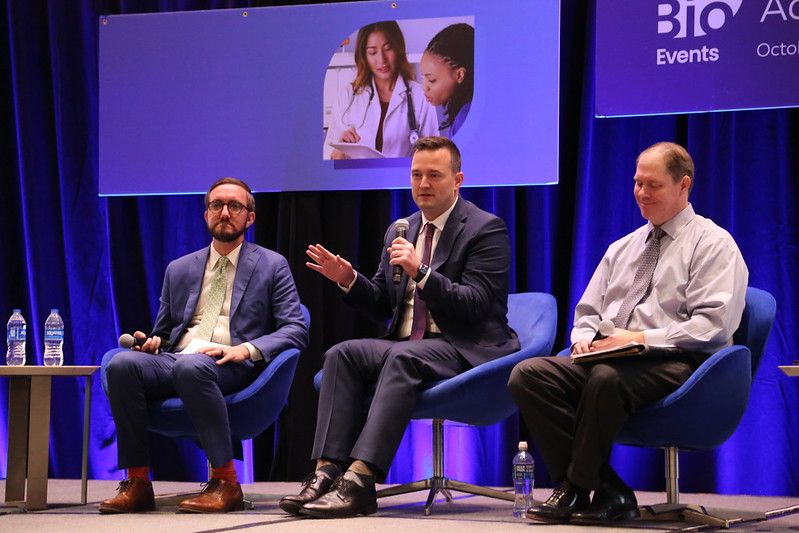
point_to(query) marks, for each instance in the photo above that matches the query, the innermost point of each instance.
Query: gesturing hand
(333, 267)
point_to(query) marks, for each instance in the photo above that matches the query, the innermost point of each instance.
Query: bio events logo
(694, 18)
(679, 19)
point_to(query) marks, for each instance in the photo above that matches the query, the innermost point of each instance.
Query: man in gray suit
(445, 290)
(225, 312)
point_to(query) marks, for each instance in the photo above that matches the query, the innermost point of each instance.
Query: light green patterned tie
(216, 297)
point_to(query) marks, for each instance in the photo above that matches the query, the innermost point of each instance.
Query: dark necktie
(419, 324)
(642, 280)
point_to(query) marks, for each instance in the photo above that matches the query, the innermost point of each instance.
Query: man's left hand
(403, 253)
(226, 354)
(619, 338)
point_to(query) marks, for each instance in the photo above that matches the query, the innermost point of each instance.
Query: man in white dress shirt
(678, 281)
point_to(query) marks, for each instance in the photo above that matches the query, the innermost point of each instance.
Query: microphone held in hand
(401, 227)
(126, 340)
(606, 329)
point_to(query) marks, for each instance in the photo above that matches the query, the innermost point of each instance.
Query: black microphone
(126, 340)
(401, 226)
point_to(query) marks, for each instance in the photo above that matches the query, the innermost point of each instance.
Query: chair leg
(438, 483)
(674, 511)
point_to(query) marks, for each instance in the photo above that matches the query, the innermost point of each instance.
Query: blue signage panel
(683, 56)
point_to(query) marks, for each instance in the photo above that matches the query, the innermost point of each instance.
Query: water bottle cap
(522, 445)
(54, 311)
(17, 310)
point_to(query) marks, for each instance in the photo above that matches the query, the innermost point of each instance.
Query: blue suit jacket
(467, 290)
(264, 307)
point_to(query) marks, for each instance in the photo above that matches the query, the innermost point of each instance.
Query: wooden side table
(29, 430)
(790, 370)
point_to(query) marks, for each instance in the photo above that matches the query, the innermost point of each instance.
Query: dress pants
(574, 412)
(136, 377)
(395, 371)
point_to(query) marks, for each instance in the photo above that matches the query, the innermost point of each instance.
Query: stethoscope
(413, 125)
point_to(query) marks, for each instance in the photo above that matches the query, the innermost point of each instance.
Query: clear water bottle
(53, 339)
(16, 331)
(523, 480)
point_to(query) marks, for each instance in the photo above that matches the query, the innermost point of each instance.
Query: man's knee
(124, 363)
(190, 369)
(348, 350)
(603, 377)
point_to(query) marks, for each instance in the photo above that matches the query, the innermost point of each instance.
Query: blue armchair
(705, 411)
(251, 410)
(480, 395)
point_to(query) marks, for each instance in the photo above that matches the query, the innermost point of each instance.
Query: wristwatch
(423, 270)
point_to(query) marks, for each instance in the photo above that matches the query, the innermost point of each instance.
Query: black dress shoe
(313, 486)
(564, 502)
(609, 504)
(345, 499)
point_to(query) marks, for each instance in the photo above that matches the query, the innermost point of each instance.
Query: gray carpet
(466, 514)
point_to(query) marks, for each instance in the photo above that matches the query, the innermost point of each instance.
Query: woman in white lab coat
(383, 108)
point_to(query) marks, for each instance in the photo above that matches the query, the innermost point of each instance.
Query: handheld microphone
(401, 227)
(126, 340)
(606, 329)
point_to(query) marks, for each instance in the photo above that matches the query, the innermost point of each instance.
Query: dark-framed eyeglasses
(233, 207)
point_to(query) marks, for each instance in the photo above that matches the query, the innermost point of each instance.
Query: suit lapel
(454, 226)
(195, 279)
(247, 260)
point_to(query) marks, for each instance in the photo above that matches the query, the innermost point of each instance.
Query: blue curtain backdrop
(101, 260)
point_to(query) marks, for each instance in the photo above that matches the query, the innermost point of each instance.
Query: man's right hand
(333, 267)
(581, 347)
(150, 345)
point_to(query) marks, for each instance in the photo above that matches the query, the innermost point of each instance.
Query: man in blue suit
(226, 311)
(445, 291)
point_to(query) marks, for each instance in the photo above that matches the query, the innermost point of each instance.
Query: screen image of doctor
(447, 67)
(384, 107)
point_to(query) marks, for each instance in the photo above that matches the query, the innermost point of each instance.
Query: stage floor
(466, 514)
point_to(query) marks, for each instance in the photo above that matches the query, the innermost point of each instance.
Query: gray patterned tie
(216, 297)
(642, 280)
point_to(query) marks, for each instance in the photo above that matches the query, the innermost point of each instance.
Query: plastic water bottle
(523, 480)
(53, 339)
(15, 339)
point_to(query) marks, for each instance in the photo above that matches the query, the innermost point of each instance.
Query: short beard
(225, 237)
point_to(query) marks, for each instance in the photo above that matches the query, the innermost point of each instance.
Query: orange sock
(141, 472)
(226, 472)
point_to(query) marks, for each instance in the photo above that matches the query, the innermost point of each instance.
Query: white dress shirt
(698, 289)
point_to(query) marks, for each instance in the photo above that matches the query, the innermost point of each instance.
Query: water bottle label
(16, 333)
(523, 472)
(54, 334)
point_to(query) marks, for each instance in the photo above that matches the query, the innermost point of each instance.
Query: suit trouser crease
(134, 378)
(398, 370)
(575, 412)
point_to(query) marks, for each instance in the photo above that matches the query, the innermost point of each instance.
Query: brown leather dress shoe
(135, 495)
(218, 496)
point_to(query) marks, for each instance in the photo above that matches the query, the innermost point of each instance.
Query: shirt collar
(441, 220)
(675, 224)
(233, 256)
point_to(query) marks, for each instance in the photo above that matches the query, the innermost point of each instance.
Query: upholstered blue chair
(480, 395)
(704, 412)
(251, 410)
